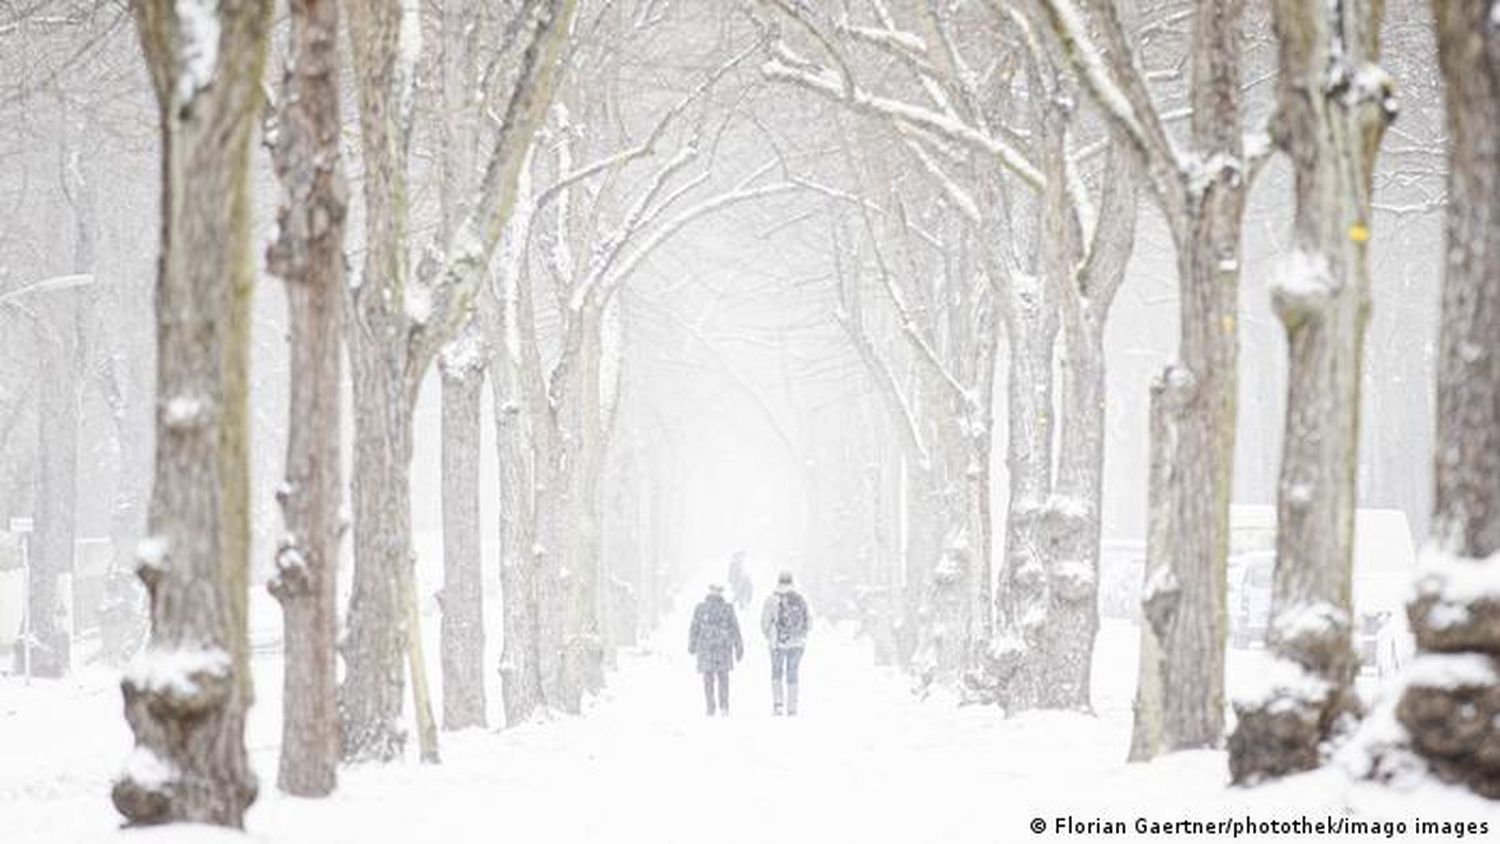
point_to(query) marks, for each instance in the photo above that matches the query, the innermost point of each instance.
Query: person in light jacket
(786, 621)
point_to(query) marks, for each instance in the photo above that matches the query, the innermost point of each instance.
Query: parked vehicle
(1384, 562)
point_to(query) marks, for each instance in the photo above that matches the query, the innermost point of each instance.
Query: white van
(1384, 562)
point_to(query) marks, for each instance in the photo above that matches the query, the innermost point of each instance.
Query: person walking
(786, 621)
(740, 587)
(715, 639)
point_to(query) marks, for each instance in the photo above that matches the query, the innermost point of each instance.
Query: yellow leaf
(1228, 323)
(1359, 233)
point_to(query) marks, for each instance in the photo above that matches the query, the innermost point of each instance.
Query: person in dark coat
(715, 640)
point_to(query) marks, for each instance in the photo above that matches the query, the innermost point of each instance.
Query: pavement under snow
(864, 762)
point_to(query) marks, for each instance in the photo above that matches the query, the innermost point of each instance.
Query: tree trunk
(463, 587)
(1072, 529)
(380, 352)
(1198, 487)
(370, 697)
(51, 554)
(186, 695)
(309, 256)
(1160, 591)
(1334, 105)
(1451, 703)
(583, 646)
(1019, 657)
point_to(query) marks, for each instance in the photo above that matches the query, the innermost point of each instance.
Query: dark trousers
(710, 679)
(784, 662)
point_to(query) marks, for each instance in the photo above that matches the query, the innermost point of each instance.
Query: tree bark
(1201, 193)
(309, 257)
(463, 586)
(1160, 591)
(1019, 655)
(1073, 518)
(186, 695)
(401, 321)
(51, 552)
(373, 647)
(1334, 104)
(1450, 706)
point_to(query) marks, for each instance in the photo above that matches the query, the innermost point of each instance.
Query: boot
(791, 698)
(776, 697)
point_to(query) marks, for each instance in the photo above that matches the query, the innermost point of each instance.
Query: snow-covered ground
(865, 762)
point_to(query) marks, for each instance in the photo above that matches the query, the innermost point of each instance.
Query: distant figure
(739, 582)
(785, 620)
(715, 639)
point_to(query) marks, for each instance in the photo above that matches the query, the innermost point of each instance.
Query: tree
(1006, 166)
(399, 323)
(1447, 697)
(1333, 106)
(308, 254)
(186, 694)
(461, 29)
(1200, 188)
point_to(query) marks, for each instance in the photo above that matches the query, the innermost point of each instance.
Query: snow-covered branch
(825, 83)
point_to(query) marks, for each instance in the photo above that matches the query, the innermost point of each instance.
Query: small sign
(21, 524)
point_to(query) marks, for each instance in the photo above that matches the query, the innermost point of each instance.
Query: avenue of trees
(481, 199)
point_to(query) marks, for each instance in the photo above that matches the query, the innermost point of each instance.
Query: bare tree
(1200, 188)
(1447, 701)
(186, 695)
(399, 323)
(460, 31)
(308, 254)
(1333, 105)
(1007, 166)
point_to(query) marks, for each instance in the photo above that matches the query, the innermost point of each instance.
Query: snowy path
(865, 763)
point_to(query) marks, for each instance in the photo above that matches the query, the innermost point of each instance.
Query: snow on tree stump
(1285, 722)
(1450, 702)
(1450, 709)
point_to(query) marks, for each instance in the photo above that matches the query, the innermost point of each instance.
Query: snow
(1451, 671)
(1456, 580)
(198, 29)
(1161, 582)
(865, 762)
(1306, 620)
(1278, 682)
(151, 552)
(147, 770)
(1301, 279)
(464, 356)
(417, 303)
(894, 39)
(410, 41)
(185, 412)
(174, 669)
(1101, 80)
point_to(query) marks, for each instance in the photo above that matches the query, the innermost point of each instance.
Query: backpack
(791, 617)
